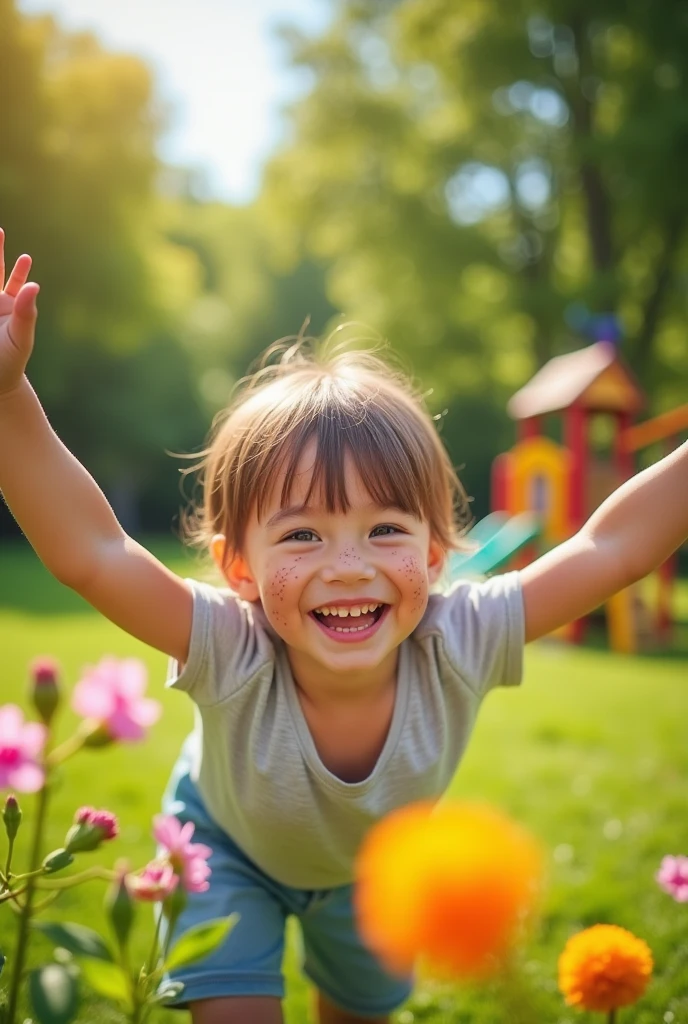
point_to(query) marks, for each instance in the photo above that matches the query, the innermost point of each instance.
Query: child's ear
(234, 568)
(436, 559)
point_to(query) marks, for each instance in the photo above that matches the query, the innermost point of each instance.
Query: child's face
(341, 589)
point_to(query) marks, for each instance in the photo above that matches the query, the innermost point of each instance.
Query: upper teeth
(355, 610)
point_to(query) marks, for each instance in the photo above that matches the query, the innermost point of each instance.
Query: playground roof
(593, 376)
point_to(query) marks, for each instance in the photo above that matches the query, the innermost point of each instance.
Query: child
(331, 686)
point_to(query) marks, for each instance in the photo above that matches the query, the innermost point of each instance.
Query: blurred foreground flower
(452, 884)
(188, 859)
(673, 877)
(111, 694)
(155, 883)
(90, 829)
(604, 968)
(45, 691)
(21, 746)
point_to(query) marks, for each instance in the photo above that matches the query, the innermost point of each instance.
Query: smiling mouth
(358, 622)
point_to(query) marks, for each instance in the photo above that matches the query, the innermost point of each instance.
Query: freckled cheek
(412, 580)
(282, 592)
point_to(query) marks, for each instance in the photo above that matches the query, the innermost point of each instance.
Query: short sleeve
(481, 630)
(229, 645)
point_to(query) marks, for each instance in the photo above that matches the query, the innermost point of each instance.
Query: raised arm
(61, 509)
(630, 535)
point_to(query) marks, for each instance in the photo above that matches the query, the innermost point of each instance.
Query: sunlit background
(483, 190)
(220, 72)
(484, 185)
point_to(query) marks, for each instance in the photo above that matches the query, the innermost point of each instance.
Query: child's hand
(17, 319)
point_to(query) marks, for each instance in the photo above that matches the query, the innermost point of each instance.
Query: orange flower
(604, 968)
(451, 884)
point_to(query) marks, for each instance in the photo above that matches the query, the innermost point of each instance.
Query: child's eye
(384, 530)
(302, 535)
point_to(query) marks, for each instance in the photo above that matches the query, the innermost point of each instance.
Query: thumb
(24, 315)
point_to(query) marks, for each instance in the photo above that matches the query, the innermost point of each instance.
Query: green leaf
(54, 994)
(196, 943)
(79, 940)
(107, 980)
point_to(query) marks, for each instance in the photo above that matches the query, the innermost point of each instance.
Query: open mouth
(351, 620)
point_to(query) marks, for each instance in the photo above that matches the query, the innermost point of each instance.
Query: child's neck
(323, 688)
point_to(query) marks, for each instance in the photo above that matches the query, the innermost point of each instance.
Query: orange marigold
(604, 968)
(451, 884)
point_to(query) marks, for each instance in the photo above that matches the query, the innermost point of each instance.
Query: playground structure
(557, 486)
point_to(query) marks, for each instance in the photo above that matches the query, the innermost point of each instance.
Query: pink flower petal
(146, 711)
(122, 727)
(166, 829)
(132, 678)
(27, 777)
(186, 832)
(92, 701)
(199, 851)
(11, 722)
(33, 739)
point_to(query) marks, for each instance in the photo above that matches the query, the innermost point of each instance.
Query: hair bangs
(389, 470)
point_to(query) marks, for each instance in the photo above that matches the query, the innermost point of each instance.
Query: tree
(480, 175)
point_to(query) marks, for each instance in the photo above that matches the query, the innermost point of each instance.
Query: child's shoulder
(231, 620)
(479, 626)
(473, 599)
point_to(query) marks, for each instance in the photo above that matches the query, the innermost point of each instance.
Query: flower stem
(612, 1017)
(24, 919)
(155, 948)
(6, 879)
(82, 876)
(70, 746)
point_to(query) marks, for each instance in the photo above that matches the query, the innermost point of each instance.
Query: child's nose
(347, 567)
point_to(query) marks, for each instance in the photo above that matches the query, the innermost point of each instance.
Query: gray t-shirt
(254, 760)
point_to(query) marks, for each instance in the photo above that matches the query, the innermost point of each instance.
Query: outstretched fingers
(20, 271)
(19, 276)
(22, 323)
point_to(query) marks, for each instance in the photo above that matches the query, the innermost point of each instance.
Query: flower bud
(12, 816)
(45, 693)
(90, 829)
(57, 860)
(119, 905)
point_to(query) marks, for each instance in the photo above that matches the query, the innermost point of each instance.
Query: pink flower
(90, 829)
(187, 859)
(21, 746)
(157, 881)
(673, 877)
(104, 821)
(110, 693)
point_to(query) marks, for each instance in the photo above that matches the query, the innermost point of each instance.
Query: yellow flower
(604, 968)
(451, 884)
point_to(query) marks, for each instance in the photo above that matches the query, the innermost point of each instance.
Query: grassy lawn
(591, 754)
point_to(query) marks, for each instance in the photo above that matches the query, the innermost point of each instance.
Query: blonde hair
(348, 403)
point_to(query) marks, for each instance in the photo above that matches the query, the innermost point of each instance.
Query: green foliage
(77, 939)
(473, 173)
(199, 941)
(464, 180)
(54, 994)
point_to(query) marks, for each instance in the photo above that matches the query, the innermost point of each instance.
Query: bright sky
(218, 66)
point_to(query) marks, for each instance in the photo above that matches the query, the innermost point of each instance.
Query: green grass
(590, 754)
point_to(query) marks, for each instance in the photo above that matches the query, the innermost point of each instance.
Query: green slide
(496, 538)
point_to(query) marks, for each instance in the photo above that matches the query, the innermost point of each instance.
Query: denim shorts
(249, 962)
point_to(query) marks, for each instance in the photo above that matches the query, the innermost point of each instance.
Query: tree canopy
(484, 185)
